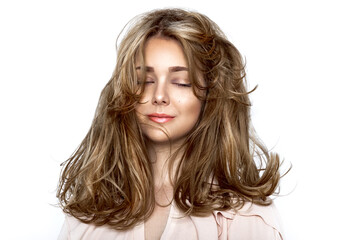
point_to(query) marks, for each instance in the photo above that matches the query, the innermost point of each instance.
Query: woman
(171, 153)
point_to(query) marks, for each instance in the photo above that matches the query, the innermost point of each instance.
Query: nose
(160, 96)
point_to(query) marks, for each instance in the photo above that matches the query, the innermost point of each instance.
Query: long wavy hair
(109, 179)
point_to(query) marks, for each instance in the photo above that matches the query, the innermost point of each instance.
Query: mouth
(160, 118)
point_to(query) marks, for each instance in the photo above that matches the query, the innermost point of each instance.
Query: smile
(160, 118)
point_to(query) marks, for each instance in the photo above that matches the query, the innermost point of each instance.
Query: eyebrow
(178, 69)
(171, 69)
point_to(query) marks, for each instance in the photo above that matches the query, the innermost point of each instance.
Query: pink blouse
(252, 222)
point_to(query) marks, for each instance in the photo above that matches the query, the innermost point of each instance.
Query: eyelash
(177, 84)
(183, 84)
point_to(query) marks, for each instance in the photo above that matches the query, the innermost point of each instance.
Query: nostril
(160, 99)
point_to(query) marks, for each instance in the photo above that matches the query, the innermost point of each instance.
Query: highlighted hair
(108, 179)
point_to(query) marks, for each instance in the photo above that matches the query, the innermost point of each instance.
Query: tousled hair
(108, 179)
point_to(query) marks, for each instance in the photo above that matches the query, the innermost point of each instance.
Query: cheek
(140, 114)
(144, 96)
(144, 100)
(198, 109)
(194, 108)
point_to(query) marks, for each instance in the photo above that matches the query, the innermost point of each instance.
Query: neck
(160, 156)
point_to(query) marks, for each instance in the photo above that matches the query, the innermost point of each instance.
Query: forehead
(167, 53)
(160, 51)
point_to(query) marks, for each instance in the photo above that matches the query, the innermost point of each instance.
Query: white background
(56, 56)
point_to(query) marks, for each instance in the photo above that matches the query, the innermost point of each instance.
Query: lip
(160, 117)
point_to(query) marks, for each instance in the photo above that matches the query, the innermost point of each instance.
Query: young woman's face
(168, 101)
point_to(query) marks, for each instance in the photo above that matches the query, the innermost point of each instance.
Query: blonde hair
(108, 179)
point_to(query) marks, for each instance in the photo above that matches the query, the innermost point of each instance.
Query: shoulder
(251, 222)
(75, 229)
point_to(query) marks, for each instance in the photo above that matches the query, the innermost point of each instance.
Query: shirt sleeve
(64, 232)
(74, 229)
(254, 222)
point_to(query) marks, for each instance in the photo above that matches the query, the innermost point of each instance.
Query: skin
(167, 91)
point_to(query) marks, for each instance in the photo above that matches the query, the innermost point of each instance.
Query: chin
(162, 139)
(157, 136)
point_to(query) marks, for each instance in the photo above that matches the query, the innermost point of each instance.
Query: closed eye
(183, 84)
(148, 81)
